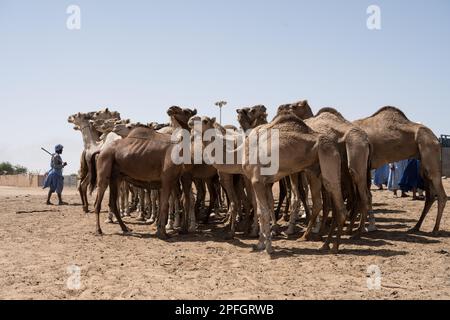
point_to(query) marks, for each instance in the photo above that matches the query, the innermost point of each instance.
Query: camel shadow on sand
(281, 253)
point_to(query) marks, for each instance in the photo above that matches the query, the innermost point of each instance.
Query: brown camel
(142, 159)
(300, 148)
(355, 153)
(393, 137)
(178, 120)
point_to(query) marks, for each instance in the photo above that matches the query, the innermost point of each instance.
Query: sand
(52, 253)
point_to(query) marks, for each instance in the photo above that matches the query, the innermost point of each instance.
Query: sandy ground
(37, 248)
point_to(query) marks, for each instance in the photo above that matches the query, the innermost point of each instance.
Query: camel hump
(141, 132)
(332, 111)
(288, 117)
(390, 109)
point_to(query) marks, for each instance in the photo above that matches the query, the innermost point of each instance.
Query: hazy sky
(141, 57)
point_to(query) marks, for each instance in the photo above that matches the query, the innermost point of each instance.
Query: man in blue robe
(411, 179)
(381, 176)
(395, 174)
(55, 178)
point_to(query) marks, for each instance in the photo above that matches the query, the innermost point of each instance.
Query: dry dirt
(37, 248)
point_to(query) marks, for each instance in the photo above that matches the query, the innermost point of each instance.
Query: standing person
(395, 174)
(411, 180)
(381, 176)
(55, 178)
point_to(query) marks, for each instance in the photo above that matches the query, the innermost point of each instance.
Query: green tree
(8, 168)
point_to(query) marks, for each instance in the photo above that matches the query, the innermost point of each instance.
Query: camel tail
(369, 167)
(93, 172)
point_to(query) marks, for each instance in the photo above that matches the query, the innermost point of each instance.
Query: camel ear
(213, 120)
(305, 103)
(238, 111)
(194, 112)
(127, 121)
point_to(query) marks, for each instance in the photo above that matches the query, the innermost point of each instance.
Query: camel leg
(326, 207)
(101, 188)
(316, 194)
(330, 166)
(170, 224)
(430, 149)
(163, 210)
(263, 211)
(113, 197)
(363, 207)
(430, 198)
(83, 190)
(141, 205)
(326, 244)
(304, 190)
(275, 225)
(286, 215)
(201, 192)
(282, 196)
(227, 183)
(295, 203)
(186, 181)
(303, 196)
(251, 194)
(212, 197)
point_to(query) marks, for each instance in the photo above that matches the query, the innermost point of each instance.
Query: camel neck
(174, 123)
(90, 136)
(245, 125)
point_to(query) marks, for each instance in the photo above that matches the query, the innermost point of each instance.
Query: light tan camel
(92, 143)
(144, 159)
(355, 155)
(393, 137)
(300, 148)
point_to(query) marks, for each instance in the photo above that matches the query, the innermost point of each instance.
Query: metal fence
(445, 154)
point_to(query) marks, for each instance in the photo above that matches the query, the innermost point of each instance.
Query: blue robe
(55, 179)
(411, 177)
(396, 174)
(381, 175)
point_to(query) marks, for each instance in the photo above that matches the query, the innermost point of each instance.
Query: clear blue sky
(140, 57)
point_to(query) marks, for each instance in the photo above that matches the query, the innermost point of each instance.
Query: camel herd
(323, 154)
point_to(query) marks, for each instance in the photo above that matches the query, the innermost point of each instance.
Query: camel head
(244, 118)
(302, 109)
(206, 123)
(123, 127)
(258, 115)
(106, 114)
(181, 116)
(106, 126)
(284, 108)
(80, 120)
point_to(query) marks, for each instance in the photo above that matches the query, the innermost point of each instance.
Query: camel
(149, 198)
(300, 148)
(106, 127)
(91, 140)
(250, 118)
(225, 171)
(144, 159)
(355, 155)
(394, 137)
